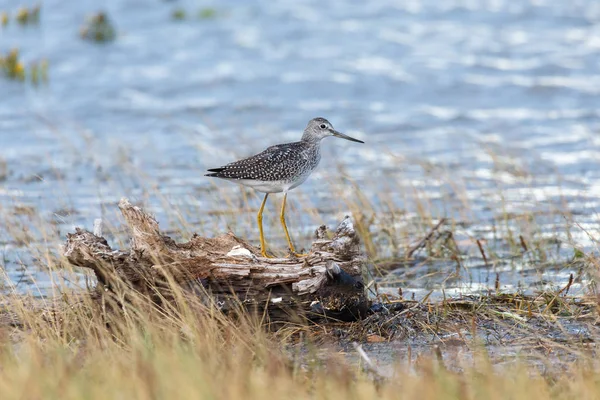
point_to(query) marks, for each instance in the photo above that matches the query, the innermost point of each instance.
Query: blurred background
(482, 112)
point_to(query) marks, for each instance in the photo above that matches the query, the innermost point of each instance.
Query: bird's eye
(323, 126)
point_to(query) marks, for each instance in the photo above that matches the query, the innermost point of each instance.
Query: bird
(279, 169)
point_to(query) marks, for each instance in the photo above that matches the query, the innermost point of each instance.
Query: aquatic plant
(207, 13)
(3, 170)
(26, 16)
(98, 28)
(12, 66)
(23, 16)
(178, 14)
(14, 69)
(38, 72)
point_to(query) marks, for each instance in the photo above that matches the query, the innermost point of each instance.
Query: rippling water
(476, 109)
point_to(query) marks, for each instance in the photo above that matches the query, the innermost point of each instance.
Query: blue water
(476, 109)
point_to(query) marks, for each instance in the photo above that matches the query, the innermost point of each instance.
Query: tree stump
(229, 271)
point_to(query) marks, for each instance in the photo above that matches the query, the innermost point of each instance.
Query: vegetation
(207, 13)
(180, 14)
(11, 65)
(14, 69)
(98, 28)
(76, 349)
(23, 16)
(27, 16)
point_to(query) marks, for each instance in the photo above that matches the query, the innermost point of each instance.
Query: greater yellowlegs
(280, 168)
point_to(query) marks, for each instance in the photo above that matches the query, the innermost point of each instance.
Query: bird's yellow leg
(285, 229)
(263, 244)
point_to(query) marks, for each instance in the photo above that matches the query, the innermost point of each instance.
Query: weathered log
(228, 270)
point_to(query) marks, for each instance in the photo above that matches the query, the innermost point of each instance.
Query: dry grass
(78, 351)
(74, 347)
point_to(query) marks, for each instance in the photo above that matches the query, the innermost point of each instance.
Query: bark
(228, 271)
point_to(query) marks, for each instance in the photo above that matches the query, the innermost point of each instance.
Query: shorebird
(280, 168)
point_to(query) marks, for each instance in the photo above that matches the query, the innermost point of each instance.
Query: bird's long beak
(341, 135)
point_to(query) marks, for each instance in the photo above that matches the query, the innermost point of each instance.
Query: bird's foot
(293, 253)
(265, 254)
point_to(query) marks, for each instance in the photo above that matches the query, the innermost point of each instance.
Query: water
(474, 110)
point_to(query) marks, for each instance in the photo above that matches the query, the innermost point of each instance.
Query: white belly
(267, 187)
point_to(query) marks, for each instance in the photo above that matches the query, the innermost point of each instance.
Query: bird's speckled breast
(312, 157)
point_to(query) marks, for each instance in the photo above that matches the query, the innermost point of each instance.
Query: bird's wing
(269, 164)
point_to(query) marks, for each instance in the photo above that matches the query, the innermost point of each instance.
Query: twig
(523, 244)
(456, 254)
(566, 288)
(482, 252)
(425, 239)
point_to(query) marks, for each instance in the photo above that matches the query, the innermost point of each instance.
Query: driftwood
(228, 271)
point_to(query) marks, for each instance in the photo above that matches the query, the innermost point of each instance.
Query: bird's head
(318, 128)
